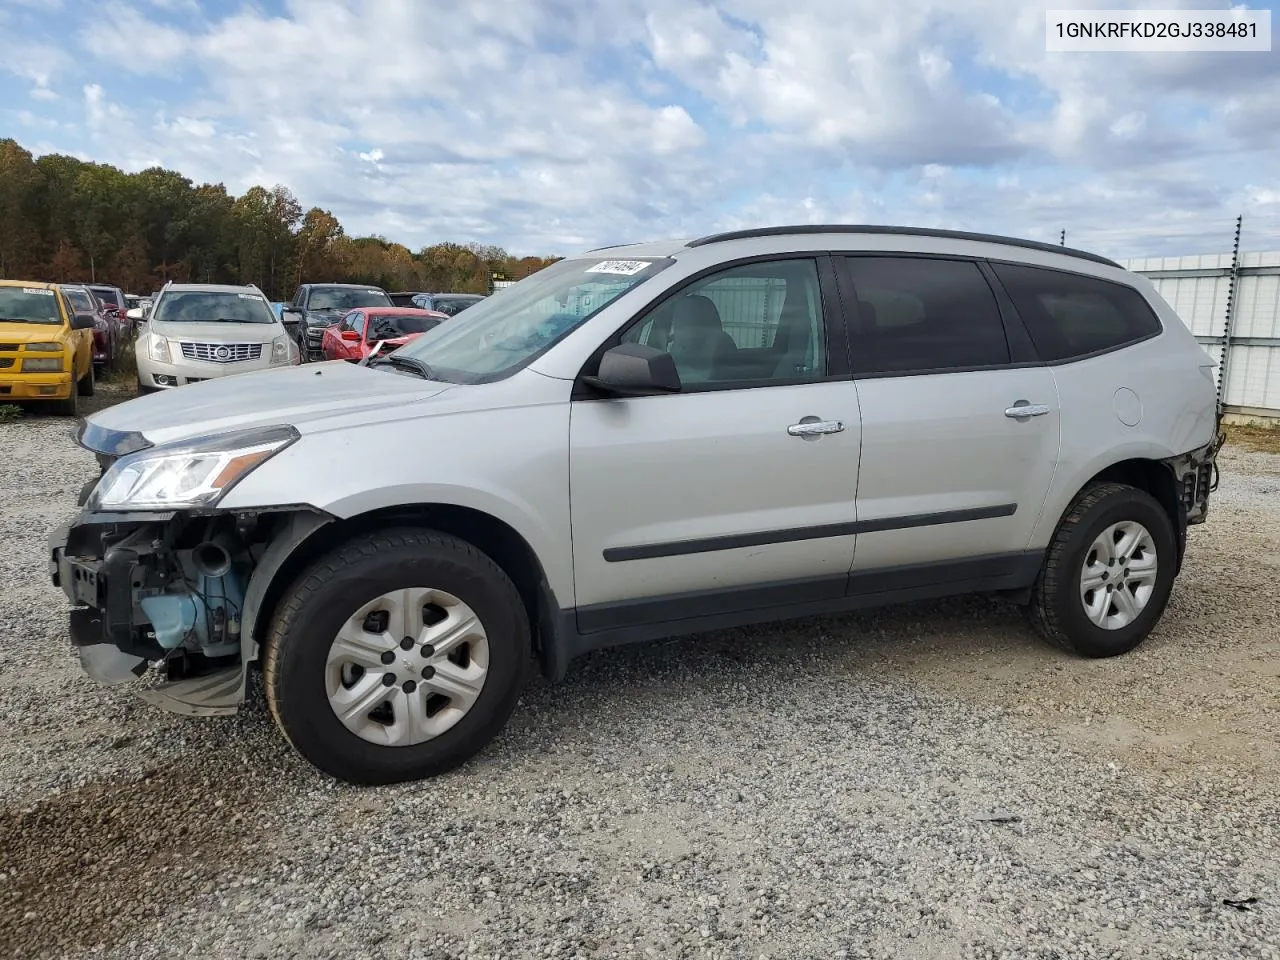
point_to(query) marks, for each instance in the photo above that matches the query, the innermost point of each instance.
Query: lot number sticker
(626, 268)
(38, 293)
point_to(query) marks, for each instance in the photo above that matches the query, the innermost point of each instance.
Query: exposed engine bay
(167, 596)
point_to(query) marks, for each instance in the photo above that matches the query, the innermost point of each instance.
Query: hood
(302, 396)
(220, 331)
(30, 332)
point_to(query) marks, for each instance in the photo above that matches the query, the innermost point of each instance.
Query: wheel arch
(1152, 476)
(311, 535)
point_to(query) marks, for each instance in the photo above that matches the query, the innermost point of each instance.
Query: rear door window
(916, 314)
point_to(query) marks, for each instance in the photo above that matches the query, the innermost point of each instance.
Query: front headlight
(44, 348)
(191, 473)
(280, 350)
(159, 349)
(42, 365)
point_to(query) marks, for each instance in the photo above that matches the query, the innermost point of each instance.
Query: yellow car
(46, 348)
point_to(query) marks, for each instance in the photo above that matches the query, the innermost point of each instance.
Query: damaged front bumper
(169, 600)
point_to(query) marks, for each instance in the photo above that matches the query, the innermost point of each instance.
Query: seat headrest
(696, 313)
(867, 313)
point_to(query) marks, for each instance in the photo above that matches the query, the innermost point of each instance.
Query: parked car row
(317, 307)
(189, 333)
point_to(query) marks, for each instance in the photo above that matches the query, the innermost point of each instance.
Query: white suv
(198, 331)
(640, 442)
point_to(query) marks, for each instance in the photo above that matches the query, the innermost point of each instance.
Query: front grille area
(6, 362)
(9, 346)
(222, 352)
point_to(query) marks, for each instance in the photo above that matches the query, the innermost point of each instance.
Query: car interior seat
(699, 344)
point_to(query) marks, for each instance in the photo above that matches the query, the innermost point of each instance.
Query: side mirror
(82, 321)
(350, 336)
(290, 308)
(136, 314)
(635, 370)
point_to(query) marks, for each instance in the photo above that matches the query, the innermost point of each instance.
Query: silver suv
(198, 331)
(640, 442)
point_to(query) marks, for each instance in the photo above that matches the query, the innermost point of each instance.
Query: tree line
(65, 220)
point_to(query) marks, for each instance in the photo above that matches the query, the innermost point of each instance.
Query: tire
(1059, 607)
(70, 406)
(88, 383)
(330, 594)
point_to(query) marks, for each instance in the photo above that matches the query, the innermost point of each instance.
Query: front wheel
(1108, 573)
(397, 656)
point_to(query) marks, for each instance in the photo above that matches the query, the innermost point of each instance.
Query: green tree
(20, 184)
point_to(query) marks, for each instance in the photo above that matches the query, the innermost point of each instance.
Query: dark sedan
(106, 331)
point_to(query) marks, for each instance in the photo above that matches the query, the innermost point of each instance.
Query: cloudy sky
(548, 126)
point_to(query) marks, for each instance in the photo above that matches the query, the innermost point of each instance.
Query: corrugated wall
(1198, 287)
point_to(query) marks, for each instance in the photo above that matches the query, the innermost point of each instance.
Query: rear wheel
(397, 656)
(1108, 573)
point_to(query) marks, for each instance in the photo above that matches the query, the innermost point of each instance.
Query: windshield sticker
(38, 293)
(374, 293)
(248, 296)
(626, 268)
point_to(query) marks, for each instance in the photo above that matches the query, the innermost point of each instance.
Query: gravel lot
(820, 788)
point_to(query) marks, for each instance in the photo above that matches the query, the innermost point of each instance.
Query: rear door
(737, 492)
(960, 420)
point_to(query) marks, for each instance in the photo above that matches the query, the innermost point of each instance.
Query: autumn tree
(62, 219)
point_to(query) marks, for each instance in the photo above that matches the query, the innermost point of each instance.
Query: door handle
(1023, 409)
(814, 427)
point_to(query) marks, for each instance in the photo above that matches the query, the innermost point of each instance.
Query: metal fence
(1231, 302)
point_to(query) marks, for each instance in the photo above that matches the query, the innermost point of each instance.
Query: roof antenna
(1062, 239)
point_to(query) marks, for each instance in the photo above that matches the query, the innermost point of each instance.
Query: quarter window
(749, 325)
(915, 314)
(1069, 315)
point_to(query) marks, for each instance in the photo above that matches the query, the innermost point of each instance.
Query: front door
(738, 492)
(960, 438)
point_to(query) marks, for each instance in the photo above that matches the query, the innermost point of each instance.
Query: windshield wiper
(405, 363)
(23, 320)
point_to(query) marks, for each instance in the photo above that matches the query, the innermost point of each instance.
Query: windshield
(347, 298)
(107, 295)
(79, 299)
(28, 305)
(452, 305)
(387, 327)
(501, 333)
(204, 306)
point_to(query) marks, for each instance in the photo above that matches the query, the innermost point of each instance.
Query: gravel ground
(926, 781)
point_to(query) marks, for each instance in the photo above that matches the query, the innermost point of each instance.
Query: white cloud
(129, 40)
(548, 124)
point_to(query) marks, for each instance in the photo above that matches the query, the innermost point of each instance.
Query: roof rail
(902, 232)
(610, 246)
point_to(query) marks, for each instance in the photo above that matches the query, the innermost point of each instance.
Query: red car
(365, 329)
